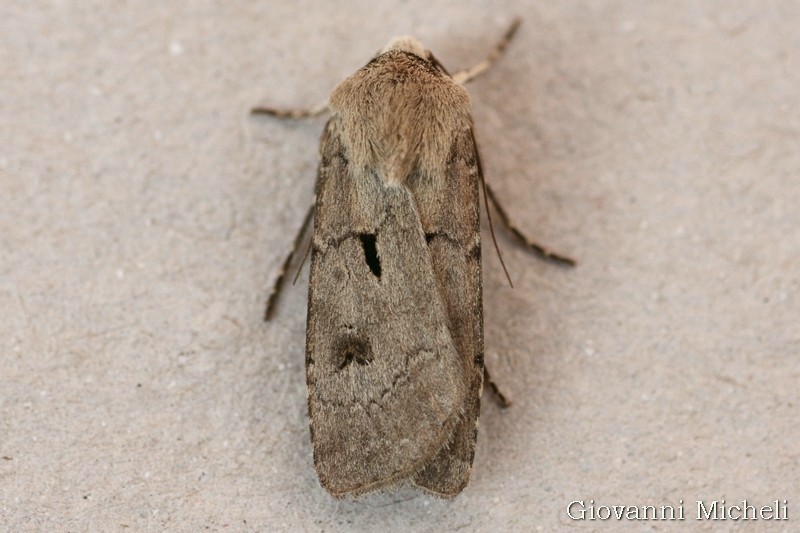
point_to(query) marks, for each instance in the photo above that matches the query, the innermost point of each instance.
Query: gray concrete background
(143, 216)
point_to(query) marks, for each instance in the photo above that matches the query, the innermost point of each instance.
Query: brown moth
(394, 340)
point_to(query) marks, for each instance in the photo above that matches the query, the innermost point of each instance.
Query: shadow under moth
(394, 338)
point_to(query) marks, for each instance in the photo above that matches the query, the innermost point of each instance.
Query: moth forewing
(394, 336)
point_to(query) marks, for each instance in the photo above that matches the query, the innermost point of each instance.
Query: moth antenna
(494, 239)
(303, 262)
(278, 287)
(486, 204)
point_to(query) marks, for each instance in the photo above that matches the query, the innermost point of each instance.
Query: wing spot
(368, 242)
(352, 348)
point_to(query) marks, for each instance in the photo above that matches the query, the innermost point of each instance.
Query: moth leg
(464, 76)
(501, 398)
(279, 282)
(541, 251)
(294, 114)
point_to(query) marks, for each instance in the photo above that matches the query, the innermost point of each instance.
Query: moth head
(406, 43)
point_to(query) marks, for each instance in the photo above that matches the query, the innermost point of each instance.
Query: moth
(394, 338)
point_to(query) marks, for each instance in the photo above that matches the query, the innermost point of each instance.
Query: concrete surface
(143, 217)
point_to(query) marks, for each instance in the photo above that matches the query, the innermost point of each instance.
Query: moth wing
(450, 213)
(386, 381)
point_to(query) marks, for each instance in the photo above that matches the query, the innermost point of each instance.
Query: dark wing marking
(386, 380)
